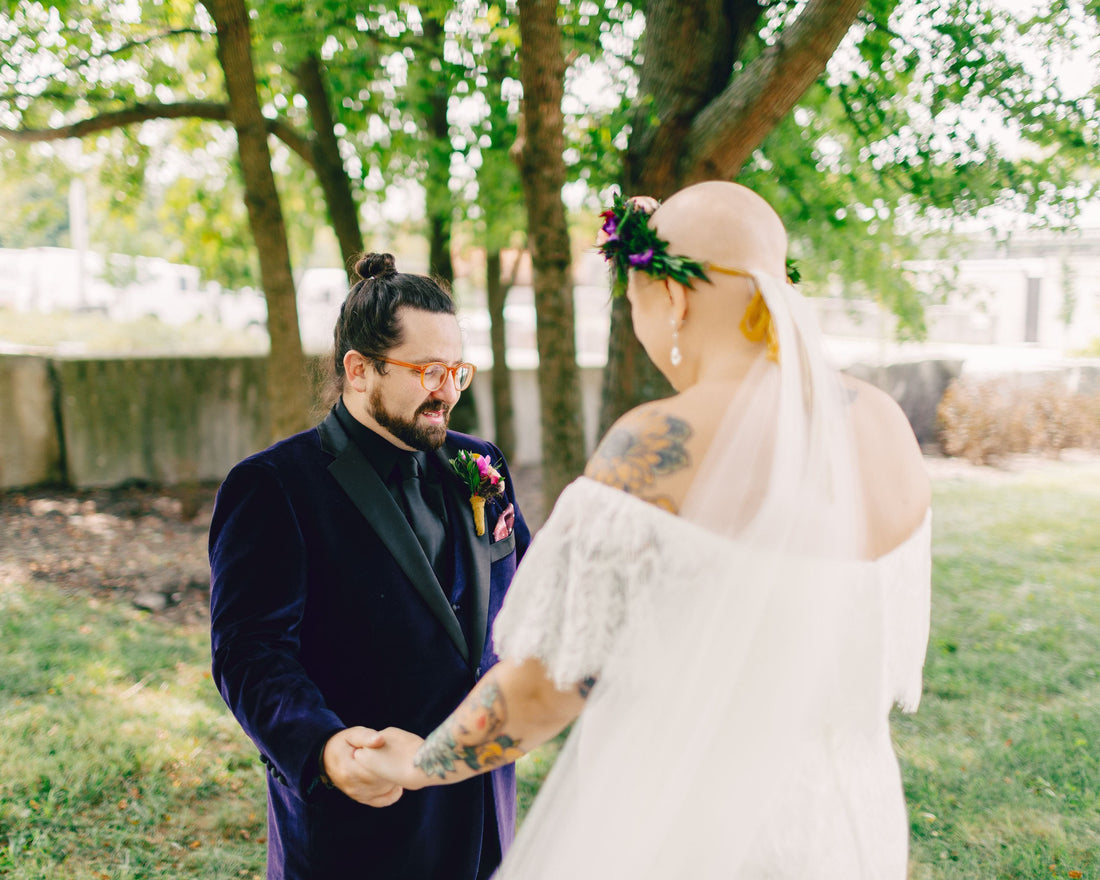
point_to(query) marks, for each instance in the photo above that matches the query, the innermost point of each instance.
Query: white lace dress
(728, 736)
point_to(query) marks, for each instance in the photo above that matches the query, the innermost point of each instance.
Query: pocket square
(505, 522)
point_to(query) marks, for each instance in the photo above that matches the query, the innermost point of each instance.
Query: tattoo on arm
(473, 735)
(633, 457)
(586, 685)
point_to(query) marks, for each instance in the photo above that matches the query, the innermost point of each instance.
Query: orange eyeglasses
(433, 375)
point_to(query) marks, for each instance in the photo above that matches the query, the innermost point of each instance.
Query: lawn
(119, 760)
(1002, 762)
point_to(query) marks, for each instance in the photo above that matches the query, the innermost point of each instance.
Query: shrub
(983, 421)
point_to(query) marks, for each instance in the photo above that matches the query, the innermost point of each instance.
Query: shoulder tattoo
(633, 456)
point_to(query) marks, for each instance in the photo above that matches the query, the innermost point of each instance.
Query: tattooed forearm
(585, 687)
(473, 735)
(633, 457)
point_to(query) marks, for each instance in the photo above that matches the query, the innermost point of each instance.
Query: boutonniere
(483, 481)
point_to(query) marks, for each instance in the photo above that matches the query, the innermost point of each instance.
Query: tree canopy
(865, 122)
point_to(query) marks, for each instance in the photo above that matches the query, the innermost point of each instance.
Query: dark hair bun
(373, 265)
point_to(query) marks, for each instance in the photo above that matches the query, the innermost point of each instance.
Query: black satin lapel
(477, 551)
(334, 439)
(368, 493)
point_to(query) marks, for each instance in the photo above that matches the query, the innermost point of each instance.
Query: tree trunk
(438, 203)
(542, 168)
(698, 120)
(691, 45)
(503, 412)
(342, 211)
(288, 390)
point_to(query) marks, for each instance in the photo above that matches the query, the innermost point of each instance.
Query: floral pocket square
(505, 523)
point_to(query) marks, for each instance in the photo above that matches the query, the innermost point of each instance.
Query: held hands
(339, 763)
(393, 759)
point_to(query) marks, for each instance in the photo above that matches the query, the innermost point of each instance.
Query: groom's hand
(350, 776)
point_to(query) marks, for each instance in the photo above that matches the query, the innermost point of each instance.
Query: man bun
(374, 265)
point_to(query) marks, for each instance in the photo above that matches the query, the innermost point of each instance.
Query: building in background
(1036, 292)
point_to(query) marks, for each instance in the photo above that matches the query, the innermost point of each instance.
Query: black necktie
(427, 524)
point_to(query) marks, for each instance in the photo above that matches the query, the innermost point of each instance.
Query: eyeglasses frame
(422, 368)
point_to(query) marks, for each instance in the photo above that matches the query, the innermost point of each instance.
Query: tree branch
(135, 43)
(138, 113)
(295, 140)
(734, 124)
(688, 52)
(131, 115)
(86, 58)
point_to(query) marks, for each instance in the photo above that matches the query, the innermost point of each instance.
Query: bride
(731, 599)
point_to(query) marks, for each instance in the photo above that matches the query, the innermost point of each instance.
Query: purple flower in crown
(609, 232)
(642, 260)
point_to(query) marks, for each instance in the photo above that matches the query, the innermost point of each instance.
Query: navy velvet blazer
(325, 614)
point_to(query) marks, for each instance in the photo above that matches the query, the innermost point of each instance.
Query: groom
(350, 592)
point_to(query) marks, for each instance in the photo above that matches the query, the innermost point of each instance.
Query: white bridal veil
(747, 653)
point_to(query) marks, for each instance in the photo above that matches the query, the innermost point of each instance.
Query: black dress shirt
(391, 463)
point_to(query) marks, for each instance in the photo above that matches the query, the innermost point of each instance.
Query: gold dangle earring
(675, 355)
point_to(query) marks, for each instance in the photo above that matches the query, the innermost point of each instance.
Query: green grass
(119, 760)
(1002, 762)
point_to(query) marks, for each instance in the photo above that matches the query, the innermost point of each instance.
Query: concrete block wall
(30, 450)
(917, 387)
(94, 422)
(97, 422)
(159, 420)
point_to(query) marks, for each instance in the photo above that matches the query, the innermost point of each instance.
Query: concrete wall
(525, 404)
(30, 450)
(160, 420)
(104, 422)
(917, 387)
(92, 422)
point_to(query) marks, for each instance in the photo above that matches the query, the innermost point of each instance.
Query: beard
(409, 431)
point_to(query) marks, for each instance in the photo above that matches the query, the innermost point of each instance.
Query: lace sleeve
(583, 579)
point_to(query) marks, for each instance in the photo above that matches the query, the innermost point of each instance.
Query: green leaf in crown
(627, 241)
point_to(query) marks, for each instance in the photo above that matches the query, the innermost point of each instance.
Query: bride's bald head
(726, 224)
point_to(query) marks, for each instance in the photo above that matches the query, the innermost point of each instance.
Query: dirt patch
(144, 545)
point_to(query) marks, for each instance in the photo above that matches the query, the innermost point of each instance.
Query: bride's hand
(394, 760)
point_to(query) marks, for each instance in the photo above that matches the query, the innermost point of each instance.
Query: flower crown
(627, 241)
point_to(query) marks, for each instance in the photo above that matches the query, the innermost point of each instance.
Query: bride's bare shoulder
(649, 452)
(897, 490)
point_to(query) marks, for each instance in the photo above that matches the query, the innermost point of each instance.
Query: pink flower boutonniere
(482, 479)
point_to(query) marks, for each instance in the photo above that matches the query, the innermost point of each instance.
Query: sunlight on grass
(120, 760)
(1000, 750)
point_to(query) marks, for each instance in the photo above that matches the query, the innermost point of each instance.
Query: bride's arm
(513, 709)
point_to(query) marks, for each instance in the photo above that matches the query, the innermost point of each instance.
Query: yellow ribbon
(757, 321)
(757, 325)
